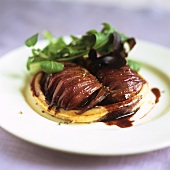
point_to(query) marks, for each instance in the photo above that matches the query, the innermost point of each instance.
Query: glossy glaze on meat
(122, 83)
(76, 88)
(73, 88)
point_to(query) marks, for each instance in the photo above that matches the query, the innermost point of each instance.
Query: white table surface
(21, 19)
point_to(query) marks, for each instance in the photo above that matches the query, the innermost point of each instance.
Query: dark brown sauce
(123, 122)
(34, 93)
(120, 115)
(157, 94)
(34, 90)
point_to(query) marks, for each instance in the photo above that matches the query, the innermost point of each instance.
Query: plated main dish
(89, 78)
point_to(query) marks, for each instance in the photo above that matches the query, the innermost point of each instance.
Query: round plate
(18, 117)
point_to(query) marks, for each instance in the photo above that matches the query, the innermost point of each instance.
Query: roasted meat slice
(122, 83)
(73, 88)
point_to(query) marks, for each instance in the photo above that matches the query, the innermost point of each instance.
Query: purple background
(21, 19)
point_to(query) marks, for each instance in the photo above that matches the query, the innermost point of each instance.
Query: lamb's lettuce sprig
(50, 58)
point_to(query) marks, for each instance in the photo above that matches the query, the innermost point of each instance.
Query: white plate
(152, 133)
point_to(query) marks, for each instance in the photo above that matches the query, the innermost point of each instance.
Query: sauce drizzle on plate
(123, 122)
(157, 94)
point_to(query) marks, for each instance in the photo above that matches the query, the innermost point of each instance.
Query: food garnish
(107, 46)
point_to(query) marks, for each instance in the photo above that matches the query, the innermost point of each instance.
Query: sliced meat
(73, 88)
(122, 83)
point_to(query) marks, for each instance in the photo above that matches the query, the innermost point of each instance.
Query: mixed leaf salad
(108, 47)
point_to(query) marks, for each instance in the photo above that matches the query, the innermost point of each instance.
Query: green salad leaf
(30, 42)
(134, 65)
(51, 66)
